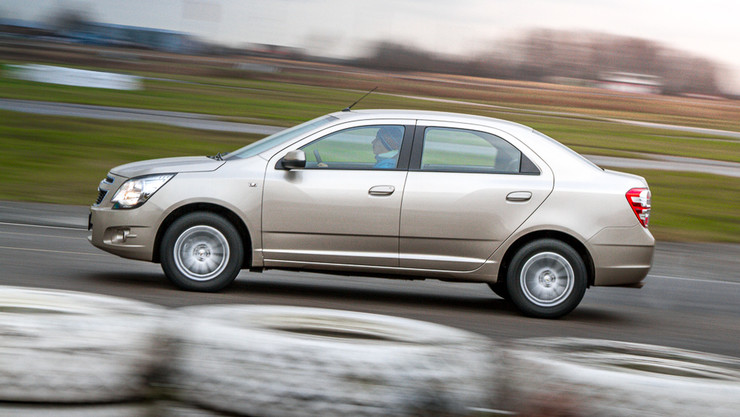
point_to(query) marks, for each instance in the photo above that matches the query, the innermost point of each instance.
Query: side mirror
(294, 159)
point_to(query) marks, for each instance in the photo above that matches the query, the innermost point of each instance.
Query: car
(392, 194)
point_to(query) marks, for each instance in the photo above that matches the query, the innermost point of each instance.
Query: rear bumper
(618, 263)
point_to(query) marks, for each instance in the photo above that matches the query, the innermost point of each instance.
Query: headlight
(137, 191)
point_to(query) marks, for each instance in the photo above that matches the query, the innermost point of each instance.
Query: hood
(167, 166)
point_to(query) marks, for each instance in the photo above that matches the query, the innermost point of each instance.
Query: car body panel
(166, 166)
(622, 255)
(314, 215)
(455, 221)
(591, 209)
(239, 191)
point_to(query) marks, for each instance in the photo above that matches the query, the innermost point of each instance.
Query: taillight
(639, 199)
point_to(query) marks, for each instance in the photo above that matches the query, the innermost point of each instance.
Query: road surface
(691, 300)
(127, 114)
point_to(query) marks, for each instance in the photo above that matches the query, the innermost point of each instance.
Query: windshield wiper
(219, 156)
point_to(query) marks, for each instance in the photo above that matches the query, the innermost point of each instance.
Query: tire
(202, 251)
(546, 278)
(292, 361)
(68, 347)
(609, 379)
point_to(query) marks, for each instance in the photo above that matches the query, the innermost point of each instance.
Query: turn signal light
(639, 199)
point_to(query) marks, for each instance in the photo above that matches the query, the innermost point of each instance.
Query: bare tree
(543, 53)
(70, 20)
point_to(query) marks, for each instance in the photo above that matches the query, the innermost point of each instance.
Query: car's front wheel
(202, 251)
(546, 278)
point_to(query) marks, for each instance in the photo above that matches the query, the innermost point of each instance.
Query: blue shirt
(386, 160)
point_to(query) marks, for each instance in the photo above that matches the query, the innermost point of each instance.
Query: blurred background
(646, 87)
(688, 46)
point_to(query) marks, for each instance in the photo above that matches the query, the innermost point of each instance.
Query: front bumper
(129, 233)
(126, 233)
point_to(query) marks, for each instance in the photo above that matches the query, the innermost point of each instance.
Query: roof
(432, 115)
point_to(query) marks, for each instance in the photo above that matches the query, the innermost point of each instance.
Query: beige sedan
(388, 193)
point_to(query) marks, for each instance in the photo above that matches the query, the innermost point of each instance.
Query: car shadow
(148, 279)
(144, 285)
(598, 316)
(354, 295)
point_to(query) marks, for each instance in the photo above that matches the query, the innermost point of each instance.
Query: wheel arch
(548, 234)
(229, 215)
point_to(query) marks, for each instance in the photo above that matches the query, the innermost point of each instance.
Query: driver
(386, 146)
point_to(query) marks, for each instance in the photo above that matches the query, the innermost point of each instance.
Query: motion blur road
(691, 300)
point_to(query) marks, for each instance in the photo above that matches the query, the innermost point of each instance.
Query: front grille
(101, 196)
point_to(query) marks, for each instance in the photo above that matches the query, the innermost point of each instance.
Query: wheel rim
(201, 253)
(547, 279)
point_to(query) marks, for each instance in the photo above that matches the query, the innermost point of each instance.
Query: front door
(344, 207)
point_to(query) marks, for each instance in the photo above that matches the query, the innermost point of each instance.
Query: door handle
(382, 190)
(519, 196)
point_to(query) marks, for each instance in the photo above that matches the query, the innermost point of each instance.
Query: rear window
(460, 150)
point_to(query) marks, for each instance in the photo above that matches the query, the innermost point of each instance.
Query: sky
(345, 28)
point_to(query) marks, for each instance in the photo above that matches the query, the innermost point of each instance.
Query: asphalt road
(691, 300)
(127, 114)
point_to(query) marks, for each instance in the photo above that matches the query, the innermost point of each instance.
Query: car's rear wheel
(202, 252)
(547, 278)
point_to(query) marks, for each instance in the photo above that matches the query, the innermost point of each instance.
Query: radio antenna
(348, 108)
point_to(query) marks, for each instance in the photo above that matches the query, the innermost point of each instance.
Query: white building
(627, 82)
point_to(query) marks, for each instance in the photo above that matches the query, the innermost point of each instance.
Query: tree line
(539, 55)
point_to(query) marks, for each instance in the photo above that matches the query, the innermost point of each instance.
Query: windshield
(279, 137)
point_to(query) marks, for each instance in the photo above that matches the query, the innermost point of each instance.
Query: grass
(266, 102)
(623, 140)
(693, 207)
(60, 160)
(286, 104)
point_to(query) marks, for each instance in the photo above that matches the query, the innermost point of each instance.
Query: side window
(367, 147)
(460, 150)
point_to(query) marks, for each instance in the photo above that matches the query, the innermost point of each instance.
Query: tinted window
(460, 150)
(367, 147)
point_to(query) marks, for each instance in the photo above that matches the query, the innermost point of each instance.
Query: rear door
(468, 189)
